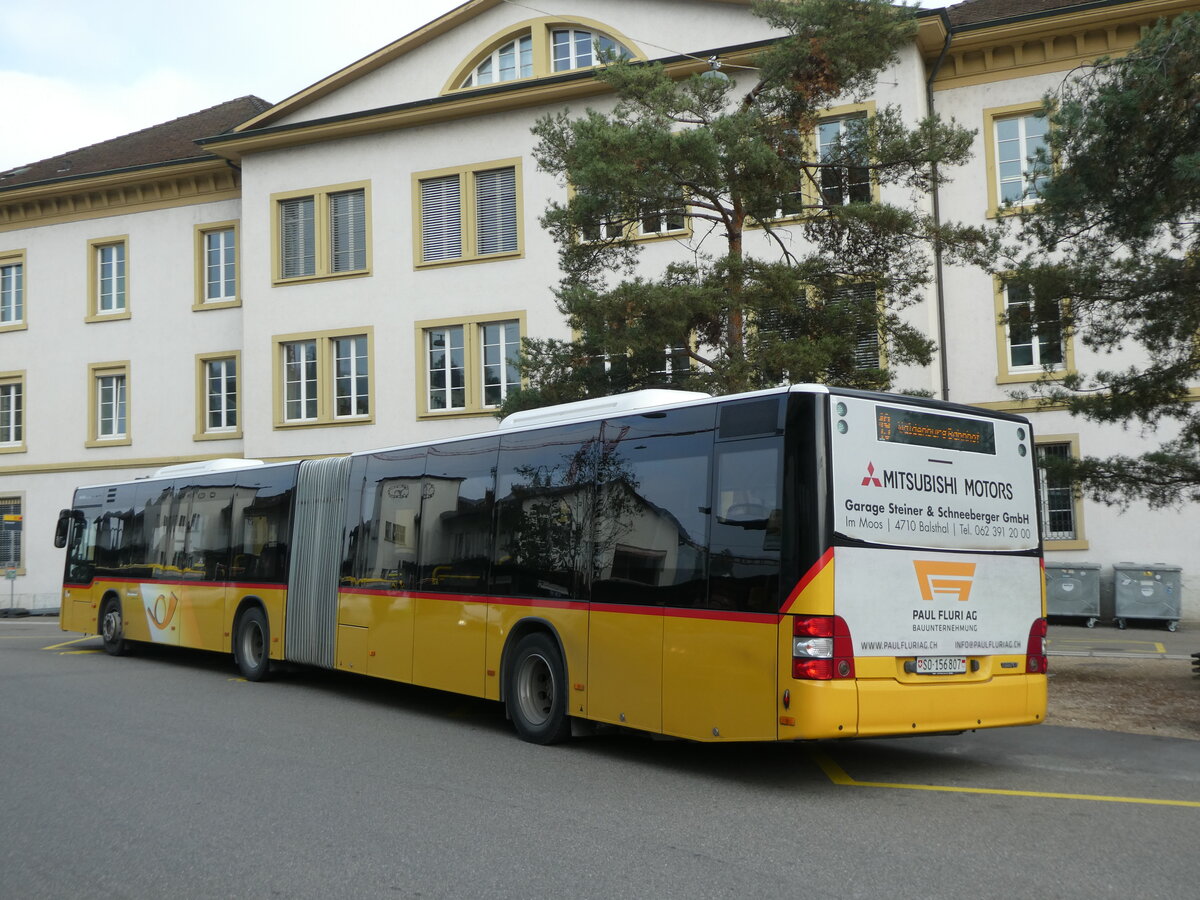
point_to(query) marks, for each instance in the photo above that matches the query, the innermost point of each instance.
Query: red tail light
(1035, 653)
(822, 649)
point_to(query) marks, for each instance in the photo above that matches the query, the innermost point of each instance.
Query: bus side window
(544, 501)
(747, 525)
(261, 524)
(652, 509)
(458, 495)
(386, 533)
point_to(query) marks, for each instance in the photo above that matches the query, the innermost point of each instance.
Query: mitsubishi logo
(871, 478)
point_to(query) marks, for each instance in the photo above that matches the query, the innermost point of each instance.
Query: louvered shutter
(297, 244)
(348, 230)
(496, 211)
(441, 219)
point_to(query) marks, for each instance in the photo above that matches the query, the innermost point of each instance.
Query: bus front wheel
(251, 644)
(112, 627)
(536, 690)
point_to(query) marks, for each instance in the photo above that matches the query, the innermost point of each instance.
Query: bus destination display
(896, 425)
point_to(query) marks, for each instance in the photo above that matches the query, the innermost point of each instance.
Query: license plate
(941, 665)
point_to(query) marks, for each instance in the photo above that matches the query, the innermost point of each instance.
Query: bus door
(200, 540)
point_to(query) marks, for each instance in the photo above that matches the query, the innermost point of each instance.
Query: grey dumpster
(1146, 592)
(1073, 589)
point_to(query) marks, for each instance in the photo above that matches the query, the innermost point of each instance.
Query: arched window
(575, 48)
(506, 63)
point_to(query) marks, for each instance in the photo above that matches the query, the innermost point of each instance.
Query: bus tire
(536, 690)
(112, 627)
(252, 644)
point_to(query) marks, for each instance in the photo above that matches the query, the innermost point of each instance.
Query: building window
(1022, 167)
(108, 279)
(1062, 520)
(1035, 335)
(324, 378)
(218, 396)
(538, 49)
(12, 291)
(663, 222)
(840, 184)
(109, 412)
(11, 528)
(468, 367)
(1016, 155)
(468, 215)
(576, 48)
(322, 233)
(216, 265)
(507, 62)
(12, 412)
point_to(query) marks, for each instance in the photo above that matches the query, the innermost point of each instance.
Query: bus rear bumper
(887, 707)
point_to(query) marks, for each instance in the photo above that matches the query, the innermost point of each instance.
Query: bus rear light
(1035, 653)
(822, 649)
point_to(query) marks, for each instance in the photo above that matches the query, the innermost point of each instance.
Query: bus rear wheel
(251, 644)
(112, 627)
(536, 690)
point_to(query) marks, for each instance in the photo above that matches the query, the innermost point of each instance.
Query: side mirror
(62, 528)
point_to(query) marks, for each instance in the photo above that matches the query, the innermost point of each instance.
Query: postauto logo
(939, 578)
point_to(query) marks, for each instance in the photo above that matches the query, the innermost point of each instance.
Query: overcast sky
(74, 72)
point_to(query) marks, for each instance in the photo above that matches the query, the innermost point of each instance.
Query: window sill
(107, 317)
(467, 260)
(1032, 376)
(473, 413)
(216, 304)
(13, 448)
(1077, 544)
(316, 279)
(217, 435)
(14, 326)
(109, 442)
(324, 423)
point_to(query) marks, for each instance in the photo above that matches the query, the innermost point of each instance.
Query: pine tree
(840, 267)
(1112, 249)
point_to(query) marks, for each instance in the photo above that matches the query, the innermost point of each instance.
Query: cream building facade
(350, 268)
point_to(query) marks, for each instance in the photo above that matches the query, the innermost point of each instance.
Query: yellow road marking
(1158, 647)
(69, 643)
(77, 652)
(838, 776)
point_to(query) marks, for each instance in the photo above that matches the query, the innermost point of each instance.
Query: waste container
(1146, 592)
(1073, 589)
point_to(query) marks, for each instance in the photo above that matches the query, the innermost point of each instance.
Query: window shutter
(496, 211)
(297, 244)
(441, 219)
(348, 228)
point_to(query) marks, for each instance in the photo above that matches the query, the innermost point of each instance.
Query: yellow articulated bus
(790, 564)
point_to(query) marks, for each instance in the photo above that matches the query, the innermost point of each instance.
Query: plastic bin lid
(1145, 567)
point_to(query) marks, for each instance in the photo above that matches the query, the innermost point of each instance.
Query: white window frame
(1031, 176)
(492, 70)
(108, 279)
(577, 38)
(221, 403)
(1037, 346)
(333, 366)
(456, 374)
(12, 412)
(13, 540)
(12, 291)
(110, 404)
(823, 145)
(220, 265)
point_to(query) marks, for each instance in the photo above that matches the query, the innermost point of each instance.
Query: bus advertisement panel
(912, 489)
